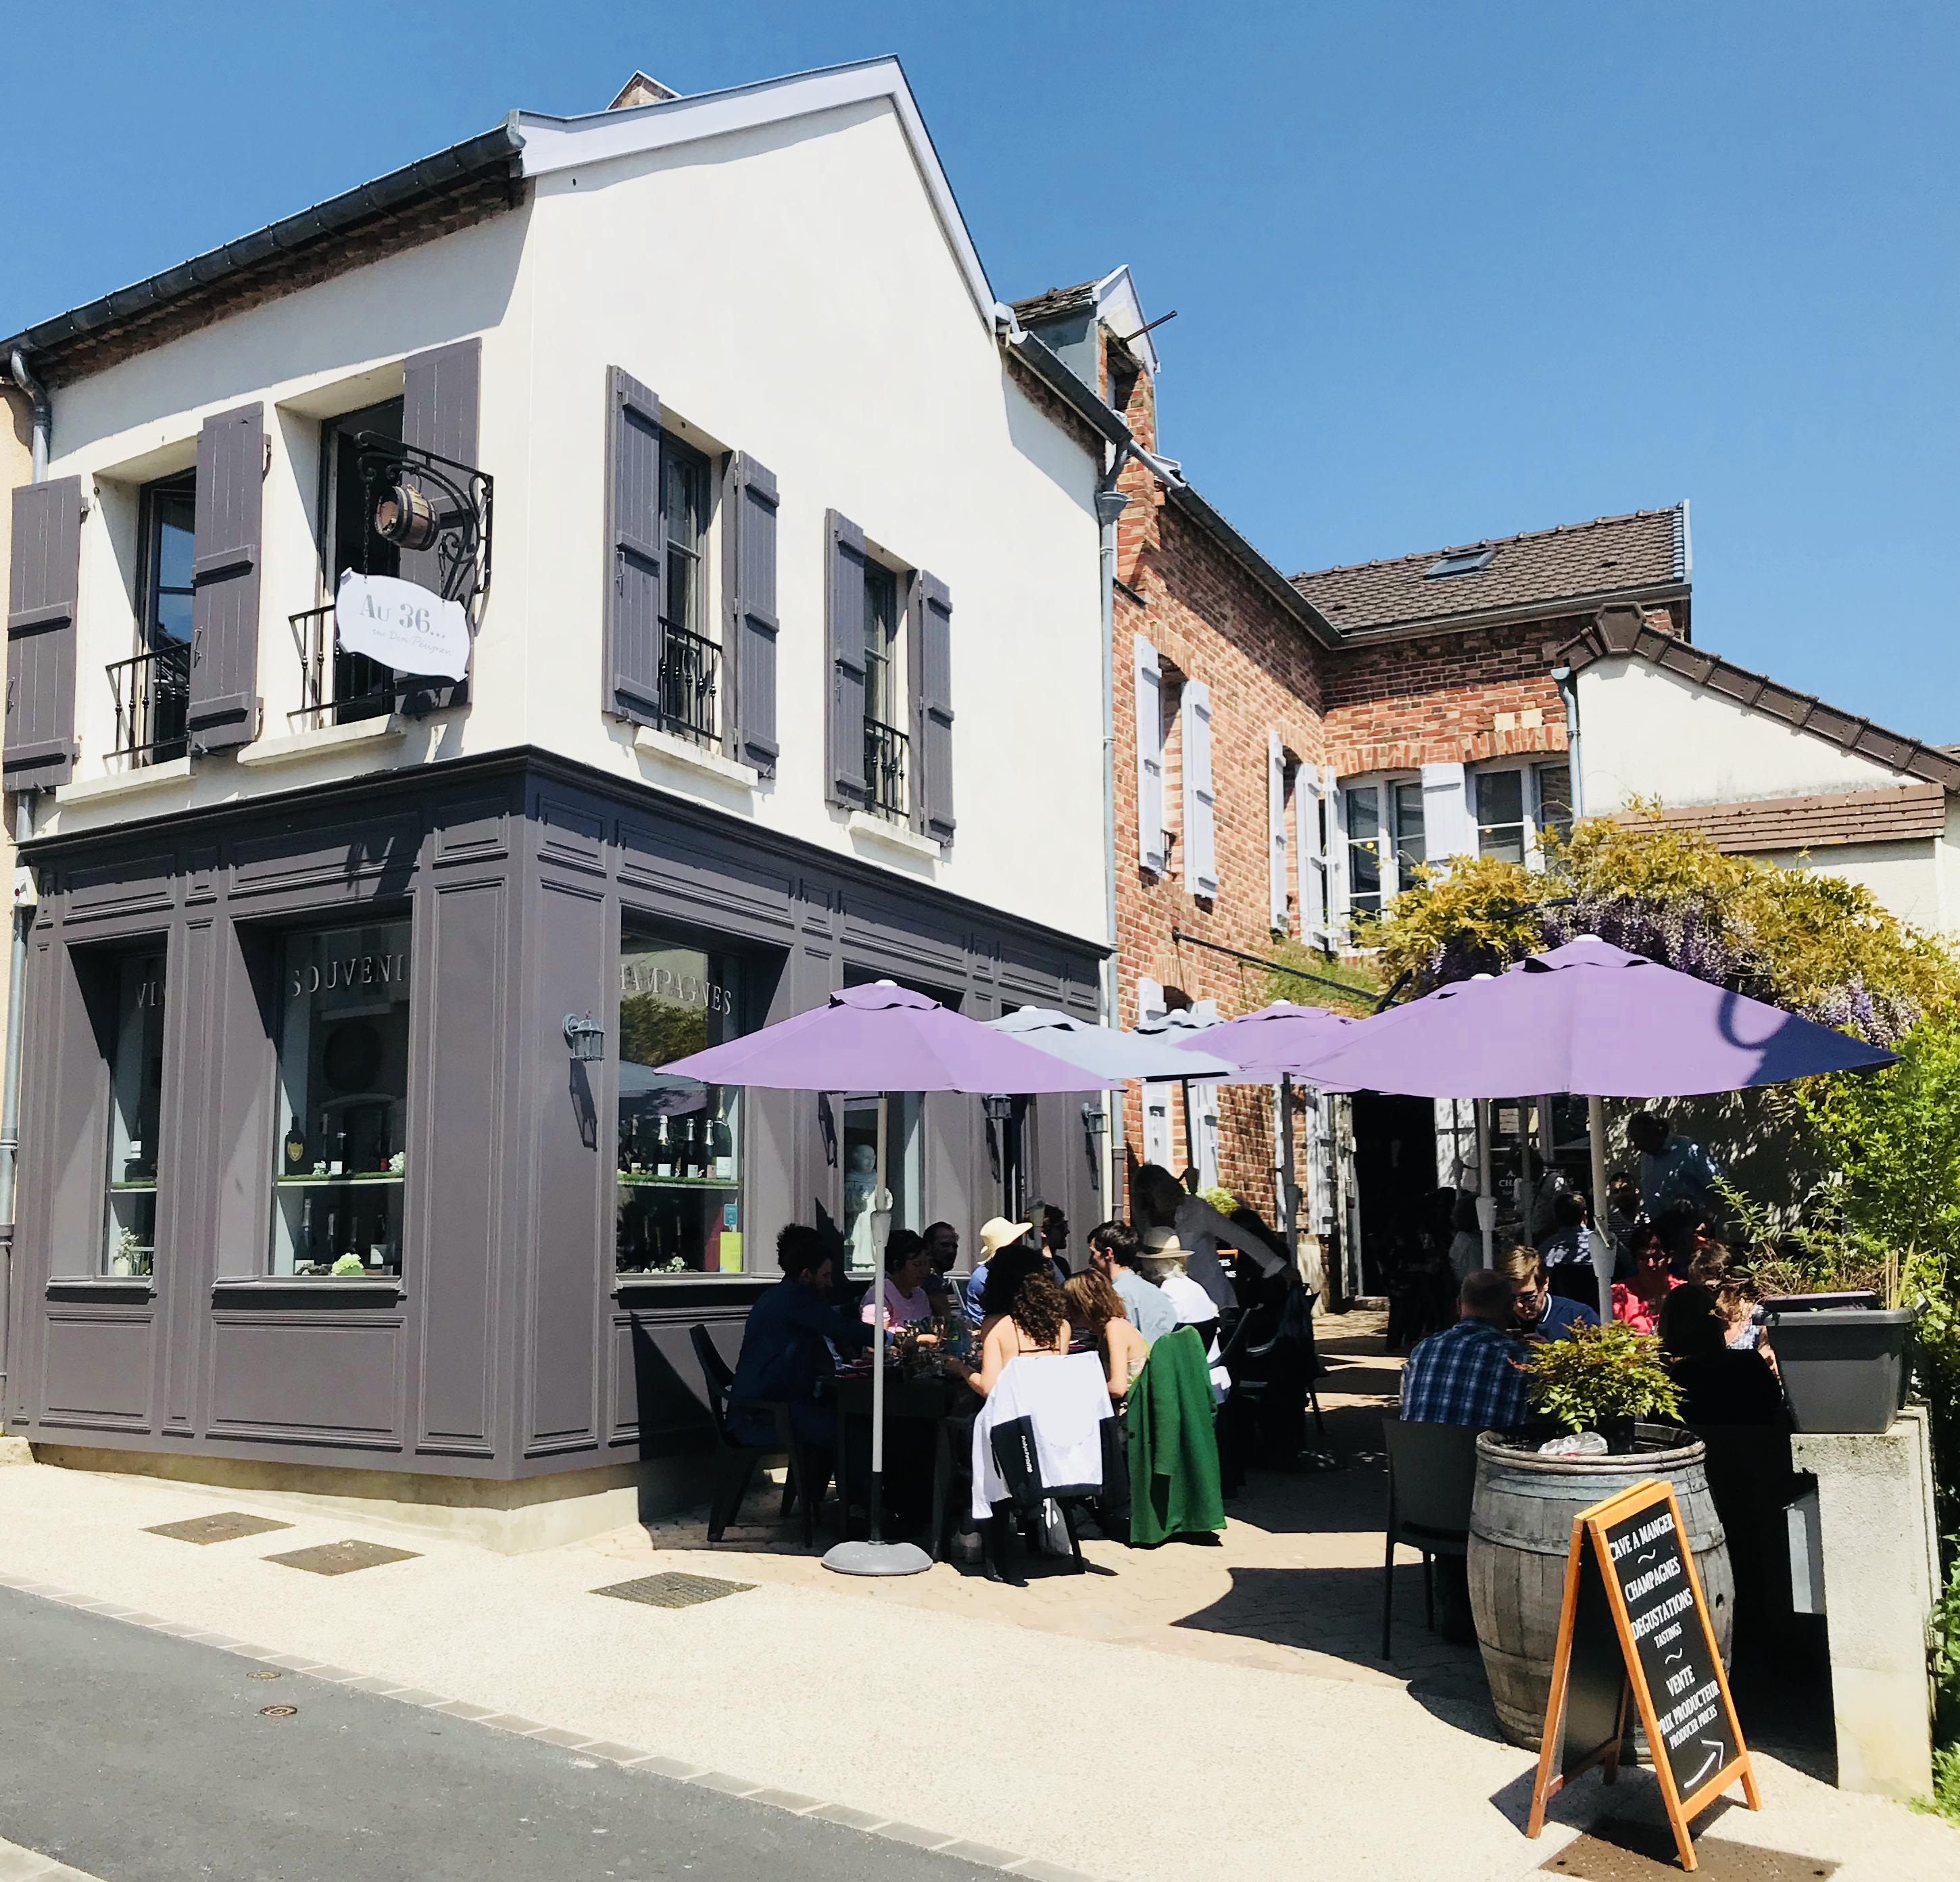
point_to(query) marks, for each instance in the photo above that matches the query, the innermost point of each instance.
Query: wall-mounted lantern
(586, 1037)
(1095, 1119)
(1000, 1109)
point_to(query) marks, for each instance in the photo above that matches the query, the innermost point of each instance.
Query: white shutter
(1276, 837)
(1336, 850)
(1150, 756)
(1156, 1124)
(1446, 813)
(1201, 858)
(1310, 846)
(1150, 999)
(1205, 1123)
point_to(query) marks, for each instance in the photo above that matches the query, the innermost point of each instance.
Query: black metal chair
(736, 1461)
(1432, 1476)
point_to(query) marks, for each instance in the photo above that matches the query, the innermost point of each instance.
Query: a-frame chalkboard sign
(1634, 1623)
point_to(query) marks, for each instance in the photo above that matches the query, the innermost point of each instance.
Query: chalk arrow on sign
(1708, 1763)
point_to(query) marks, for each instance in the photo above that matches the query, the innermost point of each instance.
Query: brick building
(1287, 751)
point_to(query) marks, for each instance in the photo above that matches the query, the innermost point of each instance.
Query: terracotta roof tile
(1613, 555)
(1052, 302)
(1814, 823)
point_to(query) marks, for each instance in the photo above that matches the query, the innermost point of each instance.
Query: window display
(135, 1100)
(679, 1194)
(902, 1145)
(343, 1101)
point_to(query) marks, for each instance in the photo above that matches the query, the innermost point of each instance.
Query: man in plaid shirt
(1467, 1374)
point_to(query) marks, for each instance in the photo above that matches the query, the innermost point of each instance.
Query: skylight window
(1463, 561)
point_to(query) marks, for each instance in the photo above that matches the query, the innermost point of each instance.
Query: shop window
(343, 1086)
(678, 1198)
(903, 1144)
(135, 1103)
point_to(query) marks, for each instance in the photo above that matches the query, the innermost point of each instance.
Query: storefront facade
(318, 1180)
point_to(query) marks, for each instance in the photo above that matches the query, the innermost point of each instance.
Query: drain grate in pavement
(227, 1527)
(342, 1557)
(674, 1590)
(1619, 1851)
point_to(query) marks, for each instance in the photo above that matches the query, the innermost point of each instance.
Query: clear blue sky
(1441, 270)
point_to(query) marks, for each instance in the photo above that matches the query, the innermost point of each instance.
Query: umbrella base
(877, 1558)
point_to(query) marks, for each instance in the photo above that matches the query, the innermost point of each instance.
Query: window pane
(343, 1101)
(1500, 815)
(678, 1203)
(1555, 797)
(136, 1099)
(902, 1141)
(1410, 849)
(881, 630)
(684, 502)
(173, 519)
(1364, 847)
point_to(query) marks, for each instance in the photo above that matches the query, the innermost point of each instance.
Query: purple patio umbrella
(883, 1038)
(1586, 1018)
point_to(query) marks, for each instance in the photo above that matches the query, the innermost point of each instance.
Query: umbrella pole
(877, 1510)
(1486, 1203)
(1602, 1250)
(1190, 1135)
(1287, 1199)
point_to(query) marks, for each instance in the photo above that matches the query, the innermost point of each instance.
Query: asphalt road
(137, 1757)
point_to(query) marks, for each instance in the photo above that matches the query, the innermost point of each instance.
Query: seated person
(1094, 1303)
(1033, 1324)
(905, 1264)
(1468, 1374)
(1637, 1300)
(1113, 1254)
(996, 1234)
(1720, 1384)
(1163, 1256)
(789, 1345)
(1567, 1252)
(1005, 1273)
(1052, 1236)
(1536, 1313)
(942, 1248)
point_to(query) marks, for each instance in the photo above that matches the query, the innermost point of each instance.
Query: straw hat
(1159, 1254)
(997, 1233)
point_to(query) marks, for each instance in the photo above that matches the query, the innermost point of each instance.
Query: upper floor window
(360, 687)
(1515, 806)
(153, 687)
(1385, 841)
(690, 661)
(886, 747)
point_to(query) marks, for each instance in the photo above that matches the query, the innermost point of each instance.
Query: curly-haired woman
(1033, 1325)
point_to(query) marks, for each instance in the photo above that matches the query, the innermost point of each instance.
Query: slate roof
(1578, 566)
(1052, 302)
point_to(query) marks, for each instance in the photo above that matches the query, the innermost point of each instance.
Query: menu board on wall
(1634, 1624)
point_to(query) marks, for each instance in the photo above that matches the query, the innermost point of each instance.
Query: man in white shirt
(1163, 1257)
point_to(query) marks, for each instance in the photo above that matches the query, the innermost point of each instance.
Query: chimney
(640, 90)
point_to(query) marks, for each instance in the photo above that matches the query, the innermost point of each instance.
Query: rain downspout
(1110, 504)
(43, 417)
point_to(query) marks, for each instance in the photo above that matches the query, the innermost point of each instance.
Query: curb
(584, 1744)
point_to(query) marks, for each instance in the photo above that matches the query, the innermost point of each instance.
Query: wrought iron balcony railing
(335, 687)
(152, 702)
(886, 748)
(690, 679)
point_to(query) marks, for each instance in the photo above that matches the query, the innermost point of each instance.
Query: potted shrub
(1612, 1380)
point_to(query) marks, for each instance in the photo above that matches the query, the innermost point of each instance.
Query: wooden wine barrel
(1521, 1534)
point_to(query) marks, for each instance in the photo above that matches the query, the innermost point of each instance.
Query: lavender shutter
(844, 618)
(43, 586)
(224, 706)
(931, 666)
(633, 550)
(441, 395)
(749, 640)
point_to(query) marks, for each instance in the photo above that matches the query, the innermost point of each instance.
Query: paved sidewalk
(1188, 1712)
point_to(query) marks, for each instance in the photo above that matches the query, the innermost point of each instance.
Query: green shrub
(1599, 1373)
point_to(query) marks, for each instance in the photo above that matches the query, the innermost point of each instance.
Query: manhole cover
(262, 1674)
(674, 1590)
(278, 1712)
(1618, 1851)
(342, 1557)
(227, 1527)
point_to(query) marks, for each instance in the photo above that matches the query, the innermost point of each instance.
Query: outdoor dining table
(943, 1400)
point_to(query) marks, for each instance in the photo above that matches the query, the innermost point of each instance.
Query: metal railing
(152, 703)
(884, 753)
(335, 687)
(690, 677)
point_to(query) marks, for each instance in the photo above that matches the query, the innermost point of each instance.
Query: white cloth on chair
(1067, 1399)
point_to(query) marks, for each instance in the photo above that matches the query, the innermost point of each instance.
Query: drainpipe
(42, 413)
(1110, 504)
(1568, 690)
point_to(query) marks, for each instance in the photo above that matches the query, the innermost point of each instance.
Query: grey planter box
(1845, 1369)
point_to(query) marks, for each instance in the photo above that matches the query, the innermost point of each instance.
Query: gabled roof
(1896, 814)
(1574, 568)
(1624, 632)
(473, 178)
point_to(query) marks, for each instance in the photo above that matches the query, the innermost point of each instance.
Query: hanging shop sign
(1635, 1624)
(402, 626)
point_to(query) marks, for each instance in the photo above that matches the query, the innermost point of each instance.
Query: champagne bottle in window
(663, 1148)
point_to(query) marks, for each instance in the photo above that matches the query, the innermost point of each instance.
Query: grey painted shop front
(315, 1195)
